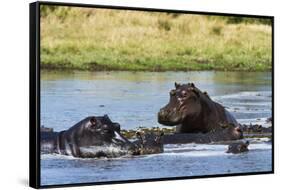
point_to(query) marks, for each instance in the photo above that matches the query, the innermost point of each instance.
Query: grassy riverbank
(91, 39)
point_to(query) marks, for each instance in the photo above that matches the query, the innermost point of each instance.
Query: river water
(133, 99)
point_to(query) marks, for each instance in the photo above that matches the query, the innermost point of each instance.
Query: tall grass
(101, 39)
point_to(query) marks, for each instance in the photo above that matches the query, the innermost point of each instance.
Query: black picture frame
(34, 92)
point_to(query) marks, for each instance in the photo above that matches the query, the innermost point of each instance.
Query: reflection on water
(133, 99)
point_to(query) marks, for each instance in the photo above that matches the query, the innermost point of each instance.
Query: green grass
(100, 39)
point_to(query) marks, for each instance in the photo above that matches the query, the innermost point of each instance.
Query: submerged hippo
(149, 143)
(91, 137)
(193, 111)
(238, 147)
(228, 133)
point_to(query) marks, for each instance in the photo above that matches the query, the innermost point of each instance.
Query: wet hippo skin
(98, 137)
(193, 111)
(238, 147)
(227, 134)
(93, 136)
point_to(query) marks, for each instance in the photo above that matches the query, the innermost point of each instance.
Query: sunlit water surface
(133, 99)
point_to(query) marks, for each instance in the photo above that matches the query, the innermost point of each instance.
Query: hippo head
(94, 135)
(149, 143)
(184, 103)
(239, 147)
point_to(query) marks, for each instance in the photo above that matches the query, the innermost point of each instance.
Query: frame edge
(34, 166)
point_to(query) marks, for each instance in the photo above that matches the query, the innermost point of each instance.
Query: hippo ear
(192, 85)
(177, 84)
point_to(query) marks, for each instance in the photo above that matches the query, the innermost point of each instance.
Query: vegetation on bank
(101, 39)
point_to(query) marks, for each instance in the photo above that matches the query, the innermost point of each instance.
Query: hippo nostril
(238, 129)
(163, 112)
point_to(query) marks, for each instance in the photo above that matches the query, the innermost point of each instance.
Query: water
(133, 99)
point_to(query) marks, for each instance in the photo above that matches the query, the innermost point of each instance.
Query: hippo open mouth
(118, 139)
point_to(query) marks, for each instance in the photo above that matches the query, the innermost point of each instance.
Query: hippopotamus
(94, 136)
(228, 133)
(148, 143)
(193, 111)
(238, 147)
